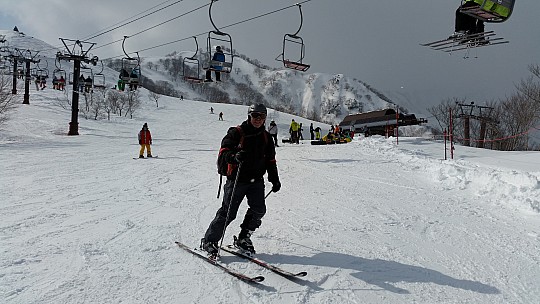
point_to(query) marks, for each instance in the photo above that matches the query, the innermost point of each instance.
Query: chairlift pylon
(224, 41)
(493, 11)
(186, 70)
(291, 40)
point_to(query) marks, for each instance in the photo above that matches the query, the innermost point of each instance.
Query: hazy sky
(374, 41)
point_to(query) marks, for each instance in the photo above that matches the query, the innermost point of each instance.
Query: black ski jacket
(260, 153)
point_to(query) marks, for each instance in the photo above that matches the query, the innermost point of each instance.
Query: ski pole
(268, 194)
(229, 207)
(220, 183)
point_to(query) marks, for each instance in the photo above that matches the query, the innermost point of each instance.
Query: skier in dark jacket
(249, 152)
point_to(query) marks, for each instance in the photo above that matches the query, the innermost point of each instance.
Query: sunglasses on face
(258, 116)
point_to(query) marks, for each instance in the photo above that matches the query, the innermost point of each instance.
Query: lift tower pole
(77, 54)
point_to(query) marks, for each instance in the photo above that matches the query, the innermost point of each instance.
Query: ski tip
(301, 274)
(258, 279)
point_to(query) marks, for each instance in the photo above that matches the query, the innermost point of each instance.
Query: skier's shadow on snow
(381, 273)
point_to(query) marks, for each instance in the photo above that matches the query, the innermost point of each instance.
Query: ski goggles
(256, 115)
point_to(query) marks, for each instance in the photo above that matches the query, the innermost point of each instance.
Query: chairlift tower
(26, 57)
(77, 54)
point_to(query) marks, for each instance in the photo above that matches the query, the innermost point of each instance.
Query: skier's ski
(145, 157)
(476, 46)
(216, 263)
(458, 39)
(290, 275)
(468, 44)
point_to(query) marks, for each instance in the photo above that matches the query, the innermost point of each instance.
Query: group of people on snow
(296, 129)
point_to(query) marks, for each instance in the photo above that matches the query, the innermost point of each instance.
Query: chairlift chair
(88, 71)
(294, 41)
(222, 39)
(131, 67)
(492, 11)
(188, 73)
(70, 78)
(43, 73)
(59, 73)
(40, 72)
(6, 67)
(99, 79)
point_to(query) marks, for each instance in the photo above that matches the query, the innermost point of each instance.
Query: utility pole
(77, 54)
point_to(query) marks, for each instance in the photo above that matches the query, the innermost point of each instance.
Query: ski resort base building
(382, 122)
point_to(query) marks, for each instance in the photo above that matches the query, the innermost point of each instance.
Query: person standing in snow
(249, 153)
(311, 131)
(220, 116)
(293, 130)
(273, 130)
(145, 140)
(317, 133)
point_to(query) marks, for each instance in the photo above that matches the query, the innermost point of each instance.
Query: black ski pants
(254, 192)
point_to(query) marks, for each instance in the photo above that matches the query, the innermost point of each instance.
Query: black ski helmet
(257, 108)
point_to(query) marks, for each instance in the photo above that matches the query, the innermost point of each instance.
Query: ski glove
(276, 186)
(240, 156)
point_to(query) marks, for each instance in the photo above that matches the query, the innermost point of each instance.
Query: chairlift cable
(204, 33)
(152, 27)
(121, 24)
(124, 24)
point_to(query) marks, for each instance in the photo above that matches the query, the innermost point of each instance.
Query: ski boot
(243, 242)
(141, 156)
(210, 247)
(457, 35)
(149, 155)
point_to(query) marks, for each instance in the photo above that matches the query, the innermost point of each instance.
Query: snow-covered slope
(371, 221)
